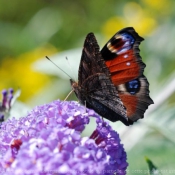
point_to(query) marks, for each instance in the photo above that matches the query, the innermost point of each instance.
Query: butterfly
(111, 81)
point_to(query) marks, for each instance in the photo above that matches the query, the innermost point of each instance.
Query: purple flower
(5, 105)
(6, 99)
(48, 141)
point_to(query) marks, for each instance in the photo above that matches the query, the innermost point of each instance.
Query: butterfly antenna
(58, 67)
(68, 95)
(70, 67)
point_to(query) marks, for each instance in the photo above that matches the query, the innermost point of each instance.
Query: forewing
(91, 60)
(121, 55)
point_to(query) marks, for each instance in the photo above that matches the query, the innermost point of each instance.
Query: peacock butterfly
(111, 81)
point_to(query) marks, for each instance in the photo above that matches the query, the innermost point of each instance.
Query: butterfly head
(80, 92)
(75, 86)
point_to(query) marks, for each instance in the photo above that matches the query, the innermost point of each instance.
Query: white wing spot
(128, 63)
(125, 56)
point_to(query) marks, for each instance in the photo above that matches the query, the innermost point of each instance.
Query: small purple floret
(48, 141)
(4, 92)
(11, 90)
(6, 99)
(1, 117)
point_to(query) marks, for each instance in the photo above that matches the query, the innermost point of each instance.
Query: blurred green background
(30, 30)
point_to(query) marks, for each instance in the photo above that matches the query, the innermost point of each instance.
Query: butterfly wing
(91, 60)
(102, 97)
(121, 55)
(95, 88)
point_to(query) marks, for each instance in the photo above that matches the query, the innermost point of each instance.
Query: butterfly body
(111, 81)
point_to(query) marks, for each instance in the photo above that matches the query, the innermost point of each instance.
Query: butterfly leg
(85, 106)
(68, 95)
(102, 118)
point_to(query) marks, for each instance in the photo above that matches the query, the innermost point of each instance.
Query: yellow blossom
(133, 16)
(17, 72)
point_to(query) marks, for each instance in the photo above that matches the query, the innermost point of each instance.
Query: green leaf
(152, 168)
